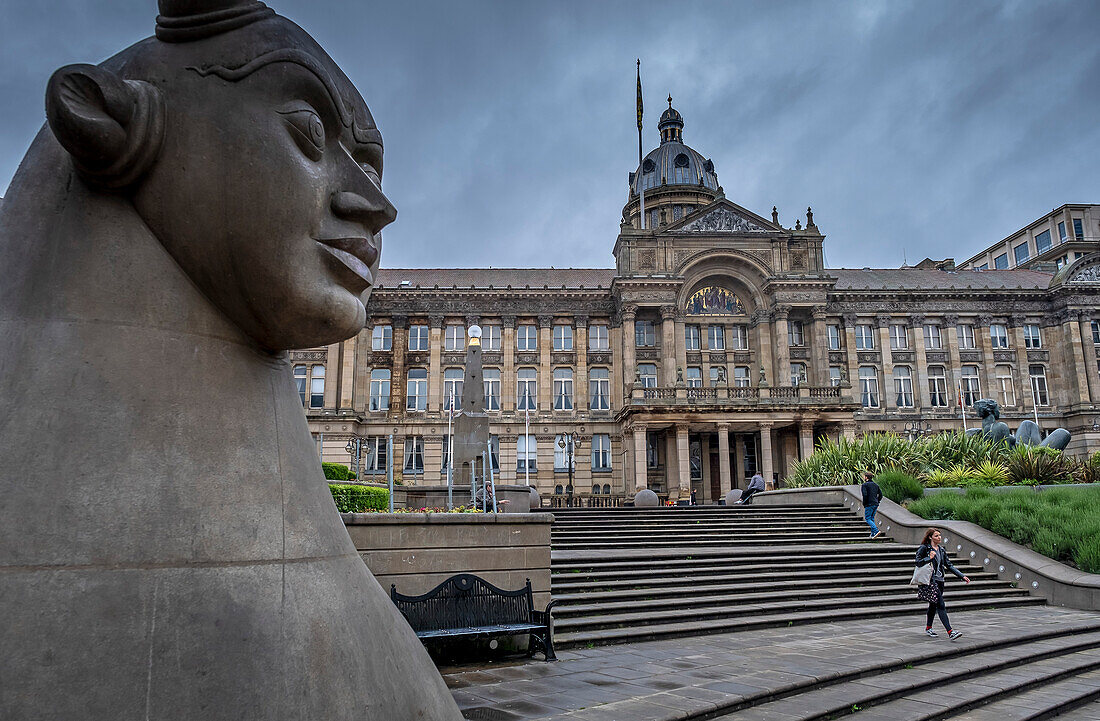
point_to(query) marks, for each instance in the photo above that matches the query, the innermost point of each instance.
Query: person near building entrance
(872, 495)
(694, 501)
(931, 552)
(756, 484)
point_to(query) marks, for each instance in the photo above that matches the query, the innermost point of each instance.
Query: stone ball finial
(733, 496)
(646, 498)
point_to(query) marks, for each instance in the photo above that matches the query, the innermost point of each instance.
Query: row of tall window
(527, 394)
(1022, 252)
(865, 335)
(375, 459)
(969, 386)
(527, 337)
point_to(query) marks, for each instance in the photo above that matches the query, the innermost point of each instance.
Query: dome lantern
(671, 125)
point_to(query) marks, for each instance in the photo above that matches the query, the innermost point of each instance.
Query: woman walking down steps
(931, 552)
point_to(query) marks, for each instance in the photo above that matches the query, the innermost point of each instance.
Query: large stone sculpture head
(250, 156)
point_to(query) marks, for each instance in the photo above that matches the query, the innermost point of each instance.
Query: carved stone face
(267, 187)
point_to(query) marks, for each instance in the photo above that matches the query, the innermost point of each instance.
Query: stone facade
(721, 344)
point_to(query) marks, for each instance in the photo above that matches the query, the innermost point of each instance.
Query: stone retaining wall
(1060, 584)
(418, 551)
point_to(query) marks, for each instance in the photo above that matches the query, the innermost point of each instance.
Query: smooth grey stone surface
(1028, 434)
(733, 496)
(1058, 439)
(536, 499)
(168, 544)
(646, 498)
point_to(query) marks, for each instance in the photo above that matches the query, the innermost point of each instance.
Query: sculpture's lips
(357, 254)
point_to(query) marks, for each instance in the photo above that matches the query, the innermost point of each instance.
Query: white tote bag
(922, 575)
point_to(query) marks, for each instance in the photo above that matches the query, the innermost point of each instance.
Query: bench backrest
(463, 601)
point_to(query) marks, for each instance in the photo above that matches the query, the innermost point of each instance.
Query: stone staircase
(624, 575)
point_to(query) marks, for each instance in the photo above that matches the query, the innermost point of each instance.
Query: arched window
(452, 387)
(903, 387)
(380, 389)
(527, 392)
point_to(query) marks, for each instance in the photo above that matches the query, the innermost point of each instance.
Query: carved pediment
(722, 220)
(1088, 274)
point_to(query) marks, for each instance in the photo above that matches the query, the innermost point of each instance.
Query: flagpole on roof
(641, 188)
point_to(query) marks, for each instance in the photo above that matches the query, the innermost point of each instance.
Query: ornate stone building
(718, 346)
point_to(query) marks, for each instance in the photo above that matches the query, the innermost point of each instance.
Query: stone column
(806, 439)
(724, 458)
(760, 321)
(819, 349)
(850, 321)
(360, 396)
(580, 374)
(617, 389)
(668, 345)
(683, 461)
(681, 345)
(950, 338)
(921, 396)
(629, 364)
(1021, 379)
(887, 396)
(346, 377)
(546, 373)
(1092, 375)
(640, 478)
(1076, 370)
(782, 349)
(766, 461)
(332, 372)
(508, 376)
(738, 461)
(988, 367)
(397, 372)
(435, 374)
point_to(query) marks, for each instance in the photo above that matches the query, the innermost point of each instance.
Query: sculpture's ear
(111, 127)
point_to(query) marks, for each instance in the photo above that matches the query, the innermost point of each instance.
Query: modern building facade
(1060, 237)
(718, 346)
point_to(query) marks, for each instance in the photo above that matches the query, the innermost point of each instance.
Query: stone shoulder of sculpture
(989, 411)
(197, 205)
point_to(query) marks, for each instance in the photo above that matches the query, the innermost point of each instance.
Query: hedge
(337, 472)
(898, 486)
(356, 499)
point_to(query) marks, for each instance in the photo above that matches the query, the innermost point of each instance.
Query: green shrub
(1035, 465)
(959, 474)
(991, 474)
(336, 471)
(898, 486)
(356, 499)
(1087, 470)
(1062, 523)
(937, 478)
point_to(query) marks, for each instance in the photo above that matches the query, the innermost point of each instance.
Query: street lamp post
(569, 443)
(917, 429)
(355, 449)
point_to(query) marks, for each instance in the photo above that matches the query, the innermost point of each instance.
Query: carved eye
(307, 130)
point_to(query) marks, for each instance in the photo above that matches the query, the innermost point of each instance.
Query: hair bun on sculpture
(182, 21)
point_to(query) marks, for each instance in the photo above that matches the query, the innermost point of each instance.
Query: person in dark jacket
(931, 552)
(872, 496)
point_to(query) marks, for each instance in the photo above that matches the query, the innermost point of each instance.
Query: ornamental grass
(1060, 523)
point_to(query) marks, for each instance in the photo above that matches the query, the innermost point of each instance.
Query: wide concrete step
(741, 541)
(732, 527)
(1087, 712)
(1060, 699)
(701, 607)
(623, 511)
(1011, 677)
(564, 582)
(606, 601)
(582, 573)
(723, 554)
(721, 518)
(756, 618)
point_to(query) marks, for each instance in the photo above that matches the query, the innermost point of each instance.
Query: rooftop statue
(197, 204)
(989, 411)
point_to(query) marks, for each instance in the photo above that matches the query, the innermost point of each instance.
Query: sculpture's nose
(376, 212)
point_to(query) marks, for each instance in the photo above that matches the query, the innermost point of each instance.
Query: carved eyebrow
(344, 107)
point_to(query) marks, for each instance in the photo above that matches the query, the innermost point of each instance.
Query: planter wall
(1060, 584)
(518, 497)
(418, 551)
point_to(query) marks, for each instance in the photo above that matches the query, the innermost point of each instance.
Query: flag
(639, 94)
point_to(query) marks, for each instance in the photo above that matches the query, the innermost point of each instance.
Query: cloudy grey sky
(933, 127)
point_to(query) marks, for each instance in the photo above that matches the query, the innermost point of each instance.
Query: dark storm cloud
(933, 127)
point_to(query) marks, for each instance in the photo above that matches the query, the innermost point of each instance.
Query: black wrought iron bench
(468, 606)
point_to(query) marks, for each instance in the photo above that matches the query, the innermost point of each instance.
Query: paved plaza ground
(680, 678)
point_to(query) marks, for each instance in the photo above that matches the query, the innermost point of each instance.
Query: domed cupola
(672, 163)
(671, 125)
